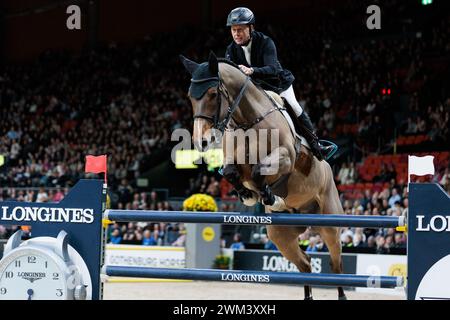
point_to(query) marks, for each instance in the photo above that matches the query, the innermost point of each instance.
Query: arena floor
(207, 290)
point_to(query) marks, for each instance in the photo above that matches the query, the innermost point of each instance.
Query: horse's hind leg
(286, 240)
(331, 235)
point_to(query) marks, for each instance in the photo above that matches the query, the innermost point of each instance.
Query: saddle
(289, 115)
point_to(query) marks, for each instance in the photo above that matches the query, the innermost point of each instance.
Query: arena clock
(43, 268)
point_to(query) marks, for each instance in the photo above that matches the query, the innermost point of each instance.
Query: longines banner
(264, 260)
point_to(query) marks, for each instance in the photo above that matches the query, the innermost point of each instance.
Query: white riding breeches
(289, 95)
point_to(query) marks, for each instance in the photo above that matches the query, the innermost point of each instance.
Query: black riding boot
(307, 130)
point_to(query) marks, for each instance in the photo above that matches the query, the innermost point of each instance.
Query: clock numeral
(9, 274)
(17, 263)
(3, 290)
(31, 259)
(55, 276)
(46, 264)
(59, 292)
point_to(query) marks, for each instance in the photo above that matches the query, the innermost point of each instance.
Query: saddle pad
(276, 99)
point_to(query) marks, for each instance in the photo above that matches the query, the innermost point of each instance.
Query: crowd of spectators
(211, 184)
(112, 100)
(125, 102)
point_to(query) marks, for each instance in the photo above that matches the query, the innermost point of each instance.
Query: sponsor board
(46, 214)
(268, 260)
(382, 265)
(428, 242)
(145, 256)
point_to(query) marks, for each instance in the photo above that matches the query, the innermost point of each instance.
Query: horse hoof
(268, 199)
(268, 202)
(309, 298)
(249, 202)
(245, 193)
(344, 297)
(249, 198)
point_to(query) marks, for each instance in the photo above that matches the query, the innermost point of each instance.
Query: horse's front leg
(278, 162)
(247, 196)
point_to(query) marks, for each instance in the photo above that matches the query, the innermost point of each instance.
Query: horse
(288, 179)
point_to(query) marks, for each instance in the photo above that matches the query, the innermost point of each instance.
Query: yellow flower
(200, 202)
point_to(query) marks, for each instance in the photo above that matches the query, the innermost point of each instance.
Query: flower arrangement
(222, 262)
(200, 202)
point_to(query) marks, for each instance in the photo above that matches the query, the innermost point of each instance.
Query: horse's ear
(213, 64)
(190, 65)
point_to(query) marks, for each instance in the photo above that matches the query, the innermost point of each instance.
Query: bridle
(218, 124)
(221, 125)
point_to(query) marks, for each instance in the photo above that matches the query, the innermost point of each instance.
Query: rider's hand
(247, 71)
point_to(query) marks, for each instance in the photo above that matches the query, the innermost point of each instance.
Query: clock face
(30, 274)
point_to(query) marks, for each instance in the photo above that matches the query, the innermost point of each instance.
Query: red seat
(359, 186)
(409, 140)
(401, 140)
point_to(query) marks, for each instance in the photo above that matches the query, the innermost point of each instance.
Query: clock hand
(30, 293)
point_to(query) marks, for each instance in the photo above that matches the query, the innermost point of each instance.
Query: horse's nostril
(204, 144)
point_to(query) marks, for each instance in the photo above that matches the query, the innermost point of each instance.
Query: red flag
(95, 164)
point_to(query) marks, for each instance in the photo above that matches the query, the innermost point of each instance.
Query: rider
(256, 55)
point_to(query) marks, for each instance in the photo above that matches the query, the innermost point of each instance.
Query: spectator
(237, 242)
(400, 240)
(351, 178)
(42, 195)
(116, 238)
(371, 242)
(312, 245)
(394, 198)
(445, 180)
(389, 243)
(181, 240)
(268, 244)
(149, 239)
(58, 195)
(348, 240)
(381, 245)
(213, 188)
(343, 174)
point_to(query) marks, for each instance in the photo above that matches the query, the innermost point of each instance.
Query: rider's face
(240, 33)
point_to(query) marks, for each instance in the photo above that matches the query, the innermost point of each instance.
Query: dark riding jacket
(268, 71)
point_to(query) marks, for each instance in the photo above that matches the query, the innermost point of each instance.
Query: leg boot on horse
(232, 175)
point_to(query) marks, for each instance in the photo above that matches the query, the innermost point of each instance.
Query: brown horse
(286, 178)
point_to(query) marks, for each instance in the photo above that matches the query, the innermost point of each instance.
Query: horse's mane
(225, 60)
(270, 94)
(231, 63)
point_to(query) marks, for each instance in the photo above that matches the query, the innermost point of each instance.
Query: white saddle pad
(277, 99)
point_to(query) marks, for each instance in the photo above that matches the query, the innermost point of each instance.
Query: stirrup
(326, 143)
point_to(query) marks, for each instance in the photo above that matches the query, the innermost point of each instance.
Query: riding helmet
(240, 15)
